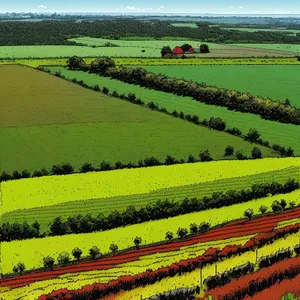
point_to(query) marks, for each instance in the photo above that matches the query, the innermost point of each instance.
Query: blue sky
(155, 6)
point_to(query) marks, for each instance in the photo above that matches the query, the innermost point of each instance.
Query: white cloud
(231, 6)
(241, 7)
(42, 6)
(130, 7)
(258, 11)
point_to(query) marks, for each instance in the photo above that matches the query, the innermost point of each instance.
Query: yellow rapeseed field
(50, 190)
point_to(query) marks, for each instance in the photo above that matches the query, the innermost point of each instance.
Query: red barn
(178, 51)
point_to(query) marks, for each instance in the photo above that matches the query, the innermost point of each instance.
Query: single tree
(94, 252)
(248, 213)
(252, 136)
(263, 209)
(76, 252)
(256, 153)
(165, 50)
(191, 159)
(205, 156)
(19, 268)
(204, 48)
(169, 235)
(113, 248)
(283, 203)
(204, 227)
(48, 262)
(229, 150)
(292, 205)
(101, 65)
(170, 160)
(86, 167)
(63, 258)
(76, 63)
(239, 155)
(182, 232)
(105, 90)
(276, 206)
(137, 241)
(193, 228)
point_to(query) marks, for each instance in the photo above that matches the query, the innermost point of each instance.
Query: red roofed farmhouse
(178, 51)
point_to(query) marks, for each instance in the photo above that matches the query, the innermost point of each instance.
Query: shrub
(234, 131)
(252, 136)
(137, 241)
(96, 88)
(204, 227)
(105, 90)
(19, 268)
(193, 228)
(204, 48)
(76, 252)
(113, 248)
(263, 209)
(205, 156)
(86, 167)
(182, 232)
(169, 235)
(94, 252)
(63, 258)
(248, 213)
(229, 150)
(48, 262)
(276, 206)
(256, 153)
(239, 155)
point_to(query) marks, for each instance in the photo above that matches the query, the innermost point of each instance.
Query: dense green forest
(54, 32)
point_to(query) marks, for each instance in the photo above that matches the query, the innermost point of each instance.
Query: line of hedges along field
(160, 210)
(210, 256)
(178, 106)
(267, 109)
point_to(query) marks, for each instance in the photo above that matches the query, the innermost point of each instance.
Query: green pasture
(281, 47)
(272, 81)
(47, 120)
(120, 203)
(274, 132)
(189, 25)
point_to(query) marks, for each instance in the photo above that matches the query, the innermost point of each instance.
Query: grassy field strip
(40, 192)
(281, 47)
(261, 29)
(15, 251)
(15, 52)
(120, 203)
(275, 82)
(287, 223)
(190, 25)
(192, 279)
(75, 281)
(274, 132)
(158, 61)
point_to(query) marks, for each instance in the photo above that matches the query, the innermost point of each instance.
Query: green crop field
(54, 121)
(279, 47)
(288, 31)
(120, 202)
(190, 25)
(274, 132)
(275, 82)
(14, 52)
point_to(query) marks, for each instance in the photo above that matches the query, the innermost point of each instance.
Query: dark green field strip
(107, 205)
(276, 82)
(287, 135)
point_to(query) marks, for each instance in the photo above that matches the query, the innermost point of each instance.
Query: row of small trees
(277, 207)
(159, 210)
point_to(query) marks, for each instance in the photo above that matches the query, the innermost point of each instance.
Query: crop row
(210, 256)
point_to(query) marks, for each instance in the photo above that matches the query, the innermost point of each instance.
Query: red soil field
(279, 289)
(229, 230)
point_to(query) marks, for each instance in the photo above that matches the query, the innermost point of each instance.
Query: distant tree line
(57, 32)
